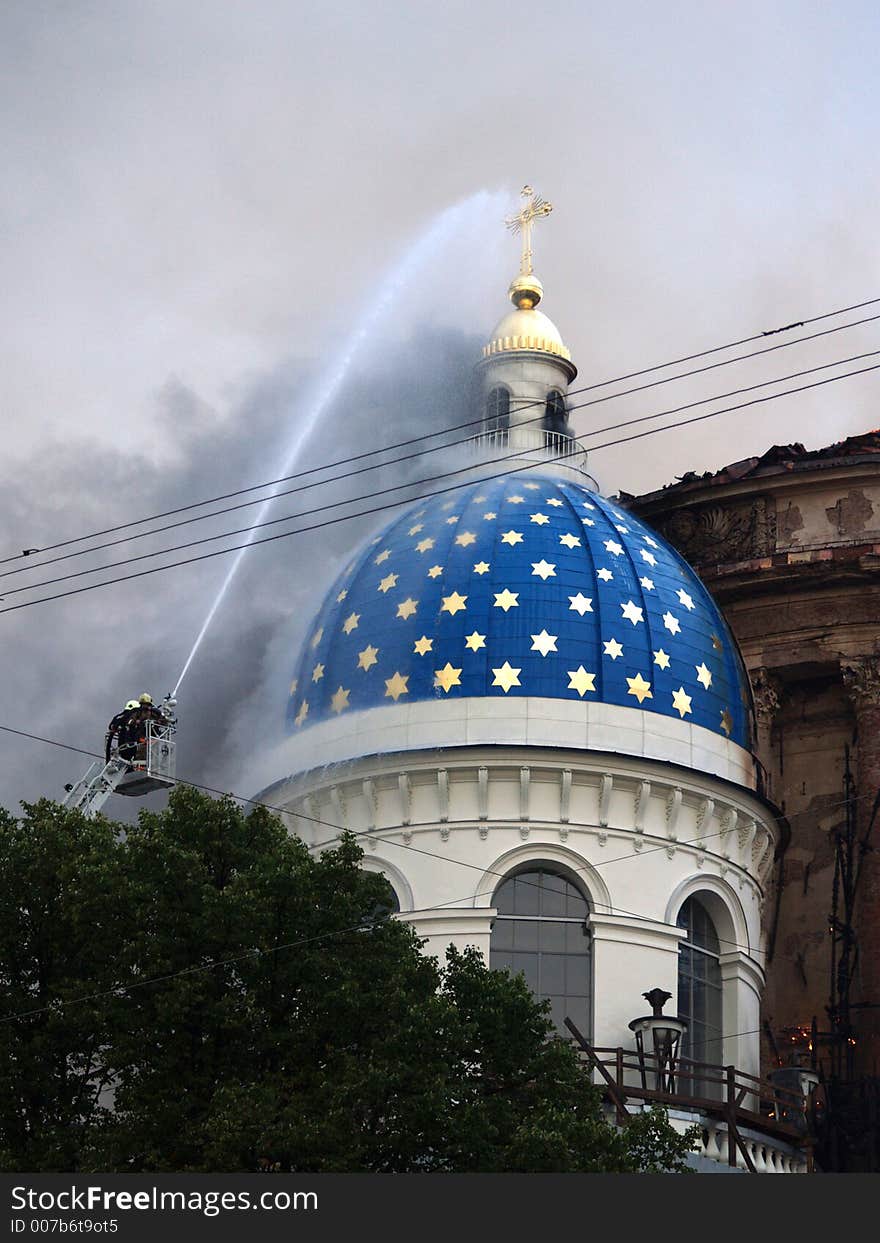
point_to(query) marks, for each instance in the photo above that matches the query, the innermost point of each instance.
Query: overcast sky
(202, 200)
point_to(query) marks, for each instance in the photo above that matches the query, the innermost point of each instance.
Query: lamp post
(662, 1034)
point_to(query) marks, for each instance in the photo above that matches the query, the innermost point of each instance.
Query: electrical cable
(399, 503)
(380, 492)
(473, 422)
(420, 850)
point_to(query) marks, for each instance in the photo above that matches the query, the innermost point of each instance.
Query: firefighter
(145, 710)
(120, 729)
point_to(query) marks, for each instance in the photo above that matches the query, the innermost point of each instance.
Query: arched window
(699, 991)
(555, 416)
(498, 409)
(541, 930)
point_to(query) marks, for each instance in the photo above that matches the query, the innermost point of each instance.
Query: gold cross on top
(522, 222)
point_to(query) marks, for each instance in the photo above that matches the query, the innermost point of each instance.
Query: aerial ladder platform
(152, 767)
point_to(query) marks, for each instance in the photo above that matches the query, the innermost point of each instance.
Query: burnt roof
(783, 458)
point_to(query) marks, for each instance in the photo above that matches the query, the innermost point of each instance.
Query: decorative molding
(525, 781)
(368, 790)
(405, 790)
(605, 789)
(704, 819)
(483, 792)
(861, 678)
(337, 802)
(673, 809)
(443, 794)
(640, 805)
(767, 691)
(564, 795)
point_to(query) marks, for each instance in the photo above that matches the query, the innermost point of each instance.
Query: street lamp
(662, 1034)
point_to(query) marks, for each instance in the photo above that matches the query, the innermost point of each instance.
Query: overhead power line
(402, 845)
(418, 454)
(471, 423)
(391, 504)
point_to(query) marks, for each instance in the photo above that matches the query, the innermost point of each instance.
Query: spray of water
(425, 248)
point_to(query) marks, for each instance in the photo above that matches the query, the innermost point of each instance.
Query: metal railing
(738, 1099)
(555, 444)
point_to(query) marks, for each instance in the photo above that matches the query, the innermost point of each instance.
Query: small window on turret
(555, 415)
(498, 410)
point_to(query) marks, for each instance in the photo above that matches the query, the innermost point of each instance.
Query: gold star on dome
(423, 645)
(569, 541)
(661, 660)
(481, 567)
(639, 687)
(351, 622)
(415, 530)
(511, 537)
(451, 521)
(650, 541)
(317, 637)
(407, 608)
(339, 702)
(424, 545)
(553, 500)
(302, 714)
(489, 515)
(716, 642)
(648, 556)
(387, 583)
(686, 600)
(726, 722)
(473, 642)
(517, 500)
(544, 642)
(435, 571)
(588, 522)
(681, 702)
(453, 604)
(543, 570)
(294, 684)
(341, 596)
(704, 677)
(478, 500)
(581, 681)
(505, 677)
(605, 575)
(466, 539)
(621, 529)
(580, 604)
(533, 487)
(587, 505)
(632, 612)
(540, 520)
(647, 583)
(367, 658)
(317, 673)
(612, 546)
(613, 649)
(383, 556)
(447, 504)
(447, 677)
(395, 686)
(506, 599)
(671, 623)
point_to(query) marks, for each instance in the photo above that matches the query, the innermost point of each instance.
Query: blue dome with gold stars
(525, 585)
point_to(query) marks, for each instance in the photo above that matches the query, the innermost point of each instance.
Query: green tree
(273, 1017)
(63, 919)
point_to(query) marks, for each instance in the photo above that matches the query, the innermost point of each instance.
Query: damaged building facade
(789, 546)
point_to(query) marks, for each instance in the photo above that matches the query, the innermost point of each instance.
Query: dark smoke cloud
(66, 666)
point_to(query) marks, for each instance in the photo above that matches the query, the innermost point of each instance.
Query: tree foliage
(203, 993)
